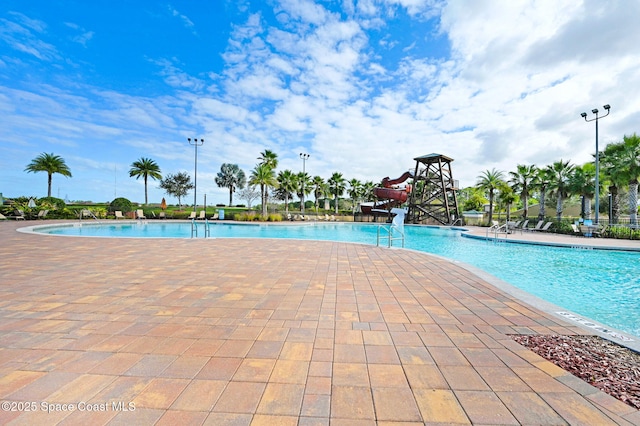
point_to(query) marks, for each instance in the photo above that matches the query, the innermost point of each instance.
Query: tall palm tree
(303, 187)
(582, 182)
(507, 197)
(337, 185)
(615, 176)
(559, 172)
(264, 176)
(230, 176)
(522, 181)
(146, 168)
(51, 164)
(319, 188)
(367, 191)
(269, 158)
(543, 178)
(627, 155)
(490, 181)
(286, 186)
(355, 193)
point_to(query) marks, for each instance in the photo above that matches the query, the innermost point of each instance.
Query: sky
(363, 87)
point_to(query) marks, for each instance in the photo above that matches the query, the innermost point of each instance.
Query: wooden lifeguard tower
(433, 199)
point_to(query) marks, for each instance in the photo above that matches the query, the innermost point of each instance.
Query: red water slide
(389, 195)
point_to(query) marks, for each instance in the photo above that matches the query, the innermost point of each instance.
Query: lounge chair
(18, 215)
(42, 214)
(333, 218)
(192, 215)
(2, 217)
(215, 217)
(537, 227)
(575, 229)
(326, 217)
(119, 215)
(545, 228)
(202, 215)
(162, 215)
(140, 214)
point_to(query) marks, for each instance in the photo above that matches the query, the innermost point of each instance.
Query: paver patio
(236, 331)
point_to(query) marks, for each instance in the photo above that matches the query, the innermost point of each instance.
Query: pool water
(600, 284)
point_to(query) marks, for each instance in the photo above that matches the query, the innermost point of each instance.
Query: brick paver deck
(144, 331)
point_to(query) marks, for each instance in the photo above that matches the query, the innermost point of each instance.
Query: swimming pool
(600, 284)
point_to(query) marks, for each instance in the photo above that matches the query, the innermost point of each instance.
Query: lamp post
(196, 143)
(304, 157)
(607, 108)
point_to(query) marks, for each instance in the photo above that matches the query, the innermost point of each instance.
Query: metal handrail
(194, 228)
(390, 237)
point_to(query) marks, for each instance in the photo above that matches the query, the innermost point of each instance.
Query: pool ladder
(389, 231)
(194, 229)
(498, 230)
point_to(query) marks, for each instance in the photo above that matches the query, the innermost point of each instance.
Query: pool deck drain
(134, 331)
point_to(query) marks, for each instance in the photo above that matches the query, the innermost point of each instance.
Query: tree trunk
(615, 204)
(525, 207)
(230, 195)
(559, 208)
(633, 202)
(541, 213)
(146, 200)
(587, 207)
(490, 207)
(49, 186)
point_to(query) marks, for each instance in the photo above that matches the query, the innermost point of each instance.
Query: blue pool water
(600, 284)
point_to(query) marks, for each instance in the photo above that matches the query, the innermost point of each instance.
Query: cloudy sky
(361, 86)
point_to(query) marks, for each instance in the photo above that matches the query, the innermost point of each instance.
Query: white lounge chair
(201, 216)
(140, 214)
(42, 214)
(192, 215)
(545, 228)
(119, 215)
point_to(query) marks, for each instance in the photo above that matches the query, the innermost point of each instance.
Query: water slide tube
(390, 196)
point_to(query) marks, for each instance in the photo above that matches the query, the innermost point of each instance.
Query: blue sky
(361, 86)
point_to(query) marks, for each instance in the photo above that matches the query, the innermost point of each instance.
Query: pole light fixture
(304, 157)
(196, 143)
(597, 117)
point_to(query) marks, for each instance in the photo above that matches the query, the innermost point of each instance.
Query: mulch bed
(611, 368)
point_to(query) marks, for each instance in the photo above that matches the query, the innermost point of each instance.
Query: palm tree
(303, 187)
(269, 158)
(230, 176)
(543, 177)
(264, 176)
(355, 193)
(581, 182)
(286, 186)
(522, 182)
(147, 168)
(319, 188)
(559, 172)
(611, 168)
(490, 181)
(627, 157)
(51, 164)
(337, 185)
(367, 191)
(507, 197)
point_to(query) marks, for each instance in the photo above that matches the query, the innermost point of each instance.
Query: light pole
(196, 143)
(607, 108)
(304, 157)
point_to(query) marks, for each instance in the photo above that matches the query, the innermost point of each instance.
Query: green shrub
(51, 203)
(121, 204)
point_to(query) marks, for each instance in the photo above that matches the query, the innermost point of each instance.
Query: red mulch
(611, 368)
